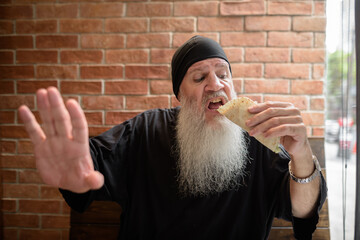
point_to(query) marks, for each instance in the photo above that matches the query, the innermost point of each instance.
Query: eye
(199, 79)
(222, 75)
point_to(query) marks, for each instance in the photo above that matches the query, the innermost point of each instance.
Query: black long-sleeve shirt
(139, 166)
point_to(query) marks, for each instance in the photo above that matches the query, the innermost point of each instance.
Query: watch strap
(308, 179)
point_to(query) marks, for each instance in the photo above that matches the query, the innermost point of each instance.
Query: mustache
(208, 96)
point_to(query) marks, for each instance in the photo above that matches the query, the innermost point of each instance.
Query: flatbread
(236, 110)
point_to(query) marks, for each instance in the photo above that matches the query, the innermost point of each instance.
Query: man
(184, 173)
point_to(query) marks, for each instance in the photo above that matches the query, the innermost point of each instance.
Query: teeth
(216, 100)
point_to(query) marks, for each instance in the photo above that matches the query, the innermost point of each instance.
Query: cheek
(198, 98)
(193, 94)
(229, 90)
(188, 94)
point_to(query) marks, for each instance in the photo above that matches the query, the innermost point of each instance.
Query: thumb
(95, 180)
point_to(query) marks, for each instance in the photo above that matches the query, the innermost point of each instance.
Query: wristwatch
(309, 178)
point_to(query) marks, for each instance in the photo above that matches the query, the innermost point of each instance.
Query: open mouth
(215, 103)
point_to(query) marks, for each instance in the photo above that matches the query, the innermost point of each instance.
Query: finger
(59, 113)
(270, 104)
(269, 113)
(78, 121)
(31, 125)
(274, 122)
(45, 113)
(296, 131)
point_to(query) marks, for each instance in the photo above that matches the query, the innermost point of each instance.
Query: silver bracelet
(309, 178)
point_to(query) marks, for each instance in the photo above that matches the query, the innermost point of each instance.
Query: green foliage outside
(340, 85)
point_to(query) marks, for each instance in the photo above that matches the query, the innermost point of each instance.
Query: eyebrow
(200, 69)
(221, 65)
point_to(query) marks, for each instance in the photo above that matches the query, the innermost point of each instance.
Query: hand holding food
(236, 110)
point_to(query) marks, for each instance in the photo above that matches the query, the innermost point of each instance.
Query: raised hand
(61, 146)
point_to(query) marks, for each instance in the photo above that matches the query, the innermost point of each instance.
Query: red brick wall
(113, 57)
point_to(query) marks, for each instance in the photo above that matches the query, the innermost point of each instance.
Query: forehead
(210, 62)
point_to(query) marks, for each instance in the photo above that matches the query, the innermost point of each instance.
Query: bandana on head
(196, 49)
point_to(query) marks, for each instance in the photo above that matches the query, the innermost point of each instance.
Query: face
(203, 79)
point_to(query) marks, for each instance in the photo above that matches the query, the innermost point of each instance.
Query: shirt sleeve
(109, 154)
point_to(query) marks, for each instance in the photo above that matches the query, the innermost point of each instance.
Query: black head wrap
(196, 49)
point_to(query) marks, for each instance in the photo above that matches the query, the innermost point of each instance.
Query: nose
(213, 83)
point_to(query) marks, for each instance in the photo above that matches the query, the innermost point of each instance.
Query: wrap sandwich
(236, 111)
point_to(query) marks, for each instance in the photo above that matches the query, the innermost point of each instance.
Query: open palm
(61, 146)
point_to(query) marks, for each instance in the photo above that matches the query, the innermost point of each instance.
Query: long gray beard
(211, 158)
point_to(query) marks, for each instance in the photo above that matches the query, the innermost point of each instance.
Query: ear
(179, 96)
